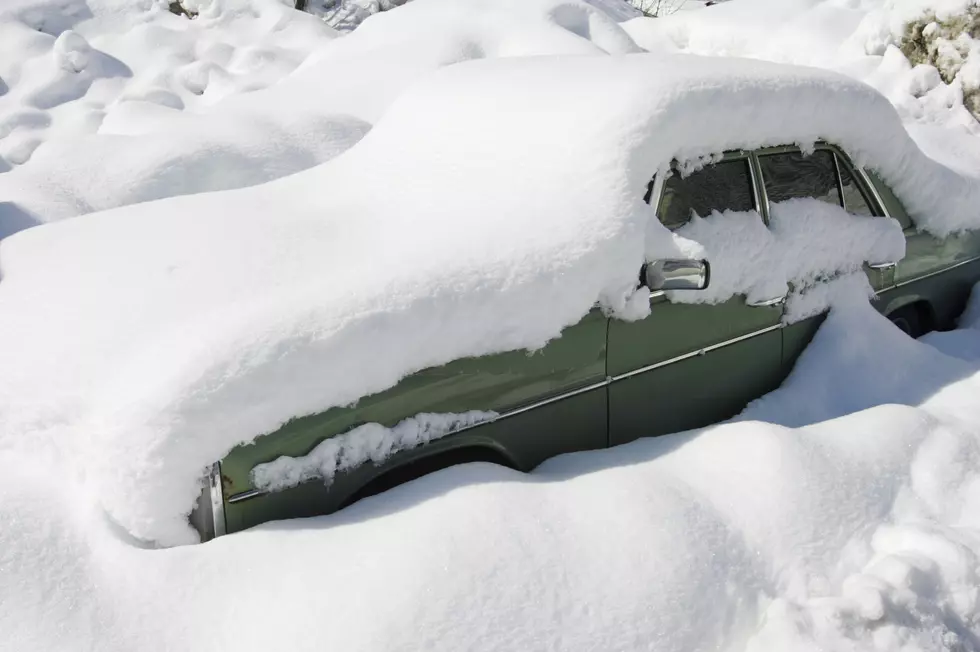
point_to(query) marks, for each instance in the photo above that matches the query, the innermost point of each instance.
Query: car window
(854, 200)
(722, 186)
(794, 175)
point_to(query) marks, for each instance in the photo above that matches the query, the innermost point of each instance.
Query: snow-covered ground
(140, 344)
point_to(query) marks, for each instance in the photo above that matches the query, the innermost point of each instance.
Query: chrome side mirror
(677, 274)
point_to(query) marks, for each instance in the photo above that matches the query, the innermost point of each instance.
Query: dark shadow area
(13, 219)
(53, 23)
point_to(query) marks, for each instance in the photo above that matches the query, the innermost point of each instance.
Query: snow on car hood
(491, 207)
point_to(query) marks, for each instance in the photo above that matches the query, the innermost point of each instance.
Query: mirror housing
(677, 274)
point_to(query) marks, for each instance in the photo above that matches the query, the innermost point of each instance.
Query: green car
(606, 381)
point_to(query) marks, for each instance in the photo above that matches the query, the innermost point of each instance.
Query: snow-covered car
(606, 380)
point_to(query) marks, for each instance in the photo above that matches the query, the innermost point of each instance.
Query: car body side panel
(501, 383)
(733, 356)
(937, 272)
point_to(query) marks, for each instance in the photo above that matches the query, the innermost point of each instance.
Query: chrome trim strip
(245, 495)
(762, 197)
(713, 347)
(216, 492)
(935, 272)
(767, 303)
(840, 178)
(757, 197)
(533, 406)
(883, 266)
(874, 191)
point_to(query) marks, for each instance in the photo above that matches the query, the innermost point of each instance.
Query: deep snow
(858, 533)
(190, 314)
(140, 344)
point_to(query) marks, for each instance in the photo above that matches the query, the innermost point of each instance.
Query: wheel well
(921, 312)
(426, 465)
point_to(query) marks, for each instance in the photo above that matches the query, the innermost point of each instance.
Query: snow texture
(858, 533)
(409, 217)
(806, 243)
(369, 442)
(189, 314)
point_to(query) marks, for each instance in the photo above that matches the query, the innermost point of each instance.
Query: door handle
(767, 303)
(883, 266)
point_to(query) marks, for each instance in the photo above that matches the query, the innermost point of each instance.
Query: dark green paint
(743, 358)
(699, 390)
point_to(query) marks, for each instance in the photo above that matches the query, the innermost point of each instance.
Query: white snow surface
(857, 38)
(490, 205)
(858, 533)
(171, 106)
(189, 315)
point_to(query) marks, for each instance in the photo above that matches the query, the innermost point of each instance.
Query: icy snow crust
(511, 203)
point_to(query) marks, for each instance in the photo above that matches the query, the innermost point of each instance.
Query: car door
(690, 365)
(828, 175)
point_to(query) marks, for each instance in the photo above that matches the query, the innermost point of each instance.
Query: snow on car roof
(491, 207)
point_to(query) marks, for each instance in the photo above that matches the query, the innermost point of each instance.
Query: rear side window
(719, 187)
(793, 175)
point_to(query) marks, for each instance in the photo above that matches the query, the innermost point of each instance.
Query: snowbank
(858, 533)
(864, 40)
(215, 103)
(511, 203)
(77, 74)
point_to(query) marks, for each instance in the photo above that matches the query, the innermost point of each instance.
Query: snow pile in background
(190, 315)
(807, 242)
(173, 118)
(859, 39)
(490, 207)
(345, 15)
(858, 533)
(370, 442)
(108, 102)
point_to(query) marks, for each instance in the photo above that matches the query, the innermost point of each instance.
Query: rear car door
(689, 365)
(825, 174)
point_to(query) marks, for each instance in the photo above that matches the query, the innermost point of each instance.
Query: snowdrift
(852, 534)
(511, 202)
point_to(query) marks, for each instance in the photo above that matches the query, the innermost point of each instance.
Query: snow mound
(223, 101)
(858, 533)
(512, 202)
(72, 71)
(865, 40)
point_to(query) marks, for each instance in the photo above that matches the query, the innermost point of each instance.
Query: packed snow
(300, 218)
